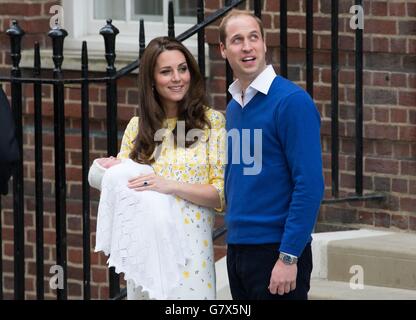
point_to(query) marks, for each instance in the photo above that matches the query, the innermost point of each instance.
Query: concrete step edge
(322, 289)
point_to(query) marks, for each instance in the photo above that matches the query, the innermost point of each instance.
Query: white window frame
(79, 22)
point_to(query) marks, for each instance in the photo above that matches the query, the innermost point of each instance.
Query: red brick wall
(389, 124)
(33, 17)
(389, 101)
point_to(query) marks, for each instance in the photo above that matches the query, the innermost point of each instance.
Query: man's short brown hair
(235, 13)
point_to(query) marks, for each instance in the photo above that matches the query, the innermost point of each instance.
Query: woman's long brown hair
(152, 116)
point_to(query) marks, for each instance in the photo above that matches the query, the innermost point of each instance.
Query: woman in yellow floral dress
(183, 140)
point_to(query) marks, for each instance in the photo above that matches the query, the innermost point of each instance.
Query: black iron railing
(16, 35)
(109, 33)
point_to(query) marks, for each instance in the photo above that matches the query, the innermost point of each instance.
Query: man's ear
(222, 49)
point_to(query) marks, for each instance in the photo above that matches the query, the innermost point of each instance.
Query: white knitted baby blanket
(142, 232)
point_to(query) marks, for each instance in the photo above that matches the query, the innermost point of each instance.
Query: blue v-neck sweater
(275, 198)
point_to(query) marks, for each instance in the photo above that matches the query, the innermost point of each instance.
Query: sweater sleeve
(298, 123)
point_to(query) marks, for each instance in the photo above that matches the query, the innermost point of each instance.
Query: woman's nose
(175, 76)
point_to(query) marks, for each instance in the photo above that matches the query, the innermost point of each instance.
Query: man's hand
(283, 278)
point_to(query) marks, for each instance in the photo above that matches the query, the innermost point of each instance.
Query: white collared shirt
(262, 83)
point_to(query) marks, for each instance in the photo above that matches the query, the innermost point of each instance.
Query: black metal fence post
(201, 38)
(283, 38)
(309, 47)
(229, 76)
(1, 254)
(16, 33)
(85, 168)
(37, 94)
(171, 20)
(142, 42)
(58, 35)
(359, 108)
(257, 8)
(109, 32)
(334, 99)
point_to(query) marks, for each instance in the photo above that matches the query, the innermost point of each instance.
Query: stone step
(337, 290)
(383, 261)
(320, 246)
(326, 290)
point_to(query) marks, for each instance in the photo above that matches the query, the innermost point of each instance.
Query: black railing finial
(171, 20)
(57, 35)
(142, 43)
(15, 33)
(36, 60)
(84, 56)
(109, 32)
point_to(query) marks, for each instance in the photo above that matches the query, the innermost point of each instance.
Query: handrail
(213, 17)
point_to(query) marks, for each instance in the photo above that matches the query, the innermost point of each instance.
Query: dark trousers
(250, 267)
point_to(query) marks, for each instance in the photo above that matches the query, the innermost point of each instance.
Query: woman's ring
(145, 183)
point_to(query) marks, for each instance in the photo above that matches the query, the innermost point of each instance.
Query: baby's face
(108, 162)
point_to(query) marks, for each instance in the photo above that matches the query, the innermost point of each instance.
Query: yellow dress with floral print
(202, 163)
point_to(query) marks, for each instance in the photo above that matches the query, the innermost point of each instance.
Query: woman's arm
(201, 194)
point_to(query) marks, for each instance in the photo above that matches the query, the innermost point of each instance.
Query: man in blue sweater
(272, 197)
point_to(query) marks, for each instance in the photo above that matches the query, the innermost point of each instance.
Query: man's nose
(247, 45)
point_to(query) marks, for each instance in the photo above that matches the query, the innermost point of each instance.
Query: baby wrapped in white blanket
(141, 231)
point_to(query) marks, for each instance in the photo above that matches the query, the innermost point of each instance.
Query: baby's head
(108, 162)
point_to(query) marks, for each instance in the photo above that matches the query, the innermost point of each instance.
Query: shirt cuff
(288, 254)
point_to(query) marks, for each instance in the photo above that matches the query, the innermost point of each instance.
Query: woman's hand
(108, 162)
(153, 182)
